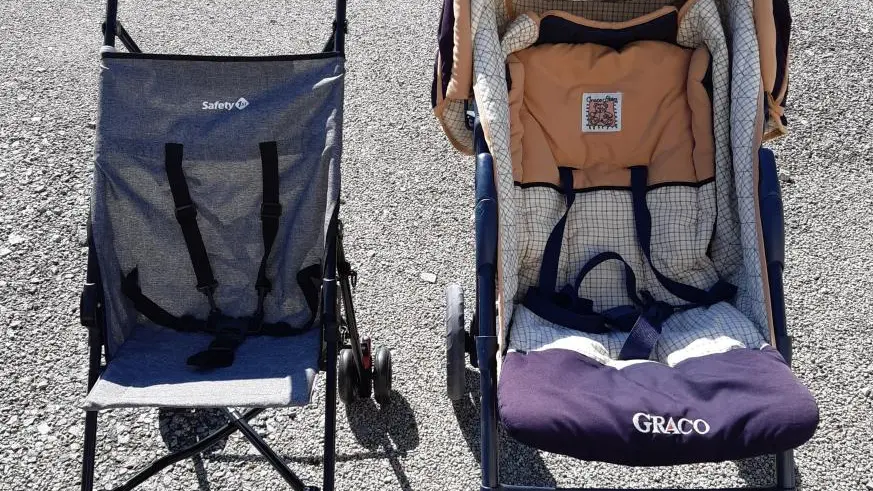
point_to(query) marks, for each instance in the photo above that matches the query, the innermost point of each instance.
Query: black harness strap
(186, 215)
(153, 312)
(229, 332)
(271, 212)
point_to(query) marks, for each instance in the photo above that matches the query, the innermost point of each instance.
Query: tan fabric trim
(510, 9)
(461, 84)
(548, 86)
(686, 7)
(774, 128)
(765, 25)
(701, 114)
(516, 106)
(665, 10)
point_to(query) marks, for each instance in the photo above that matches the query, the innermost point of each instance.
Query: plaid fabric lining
(454, 121)
(602, 220)
(526, 216)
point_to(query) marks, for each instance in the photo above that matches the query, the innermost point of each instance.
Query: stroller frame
(338, 330)
(482, 342)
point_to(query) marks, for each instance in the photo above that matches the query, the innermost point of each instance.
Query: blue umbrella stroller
(215, 247)
(629, 231)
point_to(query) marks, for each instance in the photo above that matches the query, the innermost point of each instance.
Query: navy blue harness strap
(552, 253)
(630, 278)
(643, 319)
(719, 292)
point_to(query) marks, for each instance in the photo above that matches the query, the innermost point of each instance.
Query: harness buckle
(229, 331)
(209, 290)
(186, 212)
(257, 321)
(271, 210)
(655, 311)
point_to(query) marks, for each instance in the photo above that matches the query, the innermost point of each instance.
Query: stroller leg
(331, 338)
(486, 341)
(252, 436)
(785, 471)
(194, 449)
(89, 451)
(330, 417)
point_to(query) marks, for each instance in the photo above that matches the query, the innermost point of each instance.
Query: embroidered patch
(601, 112)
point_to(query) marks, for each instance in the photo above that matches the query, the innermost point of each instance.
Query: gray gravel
(408, 215)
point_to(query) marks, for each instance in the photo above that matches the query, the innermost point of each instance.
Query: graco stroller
(215, 248)
(628, 228)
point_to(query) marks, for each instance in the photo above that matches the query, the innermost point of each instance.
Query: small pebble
(429, 277)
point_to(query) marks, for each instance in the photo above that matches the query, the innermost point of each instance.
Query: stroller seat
(634, 334)
(217, 274)
(572, 396)
(150, 370)
(628, 229)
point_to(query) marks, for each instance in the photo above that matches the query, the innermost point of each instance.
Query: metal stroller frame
(339, 332)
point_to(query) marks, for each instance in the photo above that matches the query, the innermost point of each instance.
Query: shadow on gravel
(761, 472)
(183, 427)
(386, 432)
(519, 464)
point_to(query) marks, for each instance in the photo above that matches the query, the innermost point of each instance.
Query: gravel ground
(408, 211)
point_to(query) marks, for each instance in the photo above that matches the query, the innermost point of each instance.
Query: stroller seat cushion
(150, 370)
(600, 111)
(726, 406)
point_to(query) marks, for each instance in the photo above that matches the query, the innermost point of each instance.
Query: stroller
(629, 230)
(215, 248)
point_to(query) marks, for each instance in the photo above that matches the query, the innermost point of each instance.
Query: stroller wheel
(382, 373)
(455, 342)
(347, 377)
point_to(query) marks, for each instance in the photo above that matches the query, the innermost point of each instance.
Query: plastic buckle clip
(227, 330)
(186, 212)
(209, 290)
(271, 210)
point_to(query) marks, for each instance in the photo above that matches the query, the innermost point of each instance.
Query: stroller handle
(111, 28)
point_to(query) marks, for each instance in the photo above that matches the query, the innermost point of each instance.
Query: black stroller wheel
(382, 374)
(347, 377)
(455, 342)
(365, 382)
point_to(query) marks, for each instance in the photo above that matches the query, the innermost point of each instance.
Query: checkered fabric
(602, 220)
(454, 121)
(692, 333)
